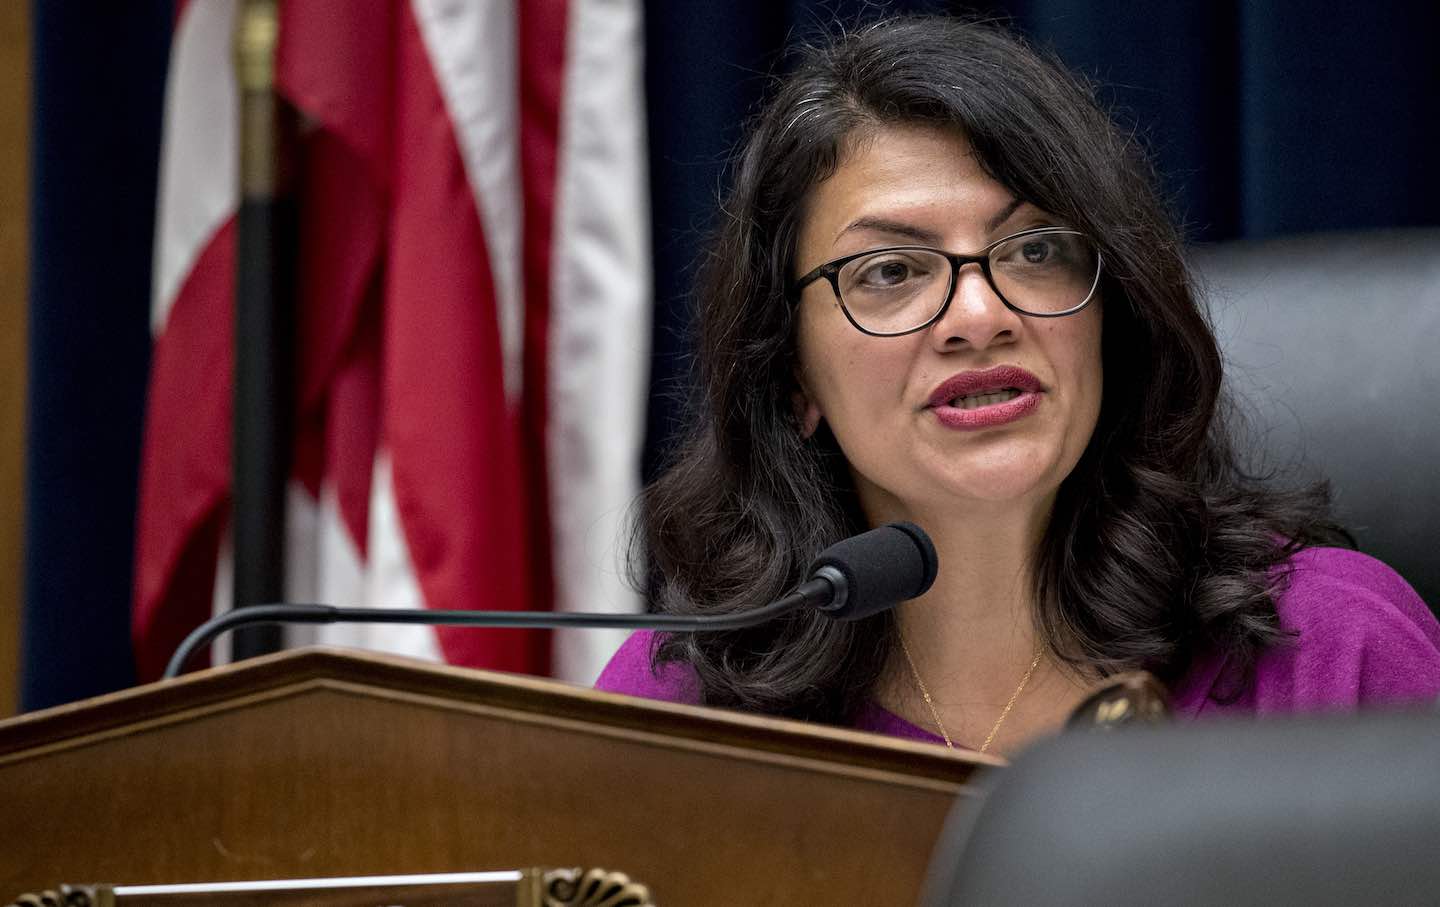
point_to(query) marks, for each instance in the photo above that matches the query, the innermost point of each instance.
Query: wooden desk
(320, 763)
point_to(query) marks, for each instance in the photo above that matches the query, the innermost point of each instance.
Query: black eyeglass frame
(831, 272)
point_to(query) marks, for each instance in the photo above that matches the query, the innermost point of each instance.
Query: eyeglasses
(1046, 272)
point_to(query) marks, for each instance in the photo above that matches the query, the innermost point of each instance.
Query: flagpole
(264, 326)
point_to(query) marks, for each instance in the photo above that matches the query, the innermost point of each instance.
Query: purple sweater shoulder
(1360, 637)
(630, 671)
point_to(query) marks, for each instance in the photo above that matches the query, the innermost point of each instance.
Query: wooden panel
(14, 261)
(345, 766)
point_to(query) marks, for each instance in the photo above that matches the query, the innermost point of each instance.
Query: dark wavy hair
(1160, 543)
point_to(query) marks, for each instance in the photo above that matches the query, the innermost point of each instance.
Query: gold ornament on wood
(1125, 699)
(593, 888)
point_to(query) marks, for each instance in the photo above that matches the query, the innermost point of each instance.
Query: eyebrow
(920, 234)
(894, 227)
(1004, 215)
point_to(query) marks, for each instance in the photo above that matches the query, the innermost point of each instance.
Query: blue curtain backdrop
(98, 77)
(1263, 118)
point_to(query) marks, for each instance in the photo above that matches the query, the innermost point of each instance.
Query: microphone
(876, 570)
(853, 578)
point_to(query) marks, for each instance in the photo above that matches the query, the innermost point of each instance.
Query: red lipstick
(1023, 390)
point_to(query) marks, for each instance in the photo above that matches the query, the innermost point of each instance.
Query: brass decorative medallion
(68, 896)
(1132, 698)
(593, 888)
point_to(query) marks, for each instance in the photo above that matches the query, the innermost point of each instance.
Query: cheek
(1074, 351)
(1090, 374)
(851, 382)
(807, 358)
(822, 359)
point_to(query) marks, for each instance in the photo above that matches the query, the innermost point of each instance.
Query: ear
(807, 411)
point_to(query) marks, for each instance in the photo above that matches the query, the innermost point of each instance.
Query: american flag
(473, 308)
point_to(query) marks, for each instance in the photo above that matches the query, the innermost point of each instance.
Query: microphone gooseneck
(854, 578)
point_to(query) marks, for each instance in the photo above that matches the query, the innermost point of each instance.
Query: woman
(945, 291)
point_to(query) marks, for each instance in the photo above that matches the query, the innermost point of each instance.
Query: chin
(1019, 473)
(1018, 476)
(1000, 489)
(989, 488)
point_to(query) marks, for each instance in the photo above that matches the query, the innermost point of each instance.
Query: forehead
(925, 177)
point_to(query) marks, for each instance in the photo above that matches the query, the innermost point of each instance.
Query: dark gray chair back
(1332, 352)
(1289, 812)
(1332, 349)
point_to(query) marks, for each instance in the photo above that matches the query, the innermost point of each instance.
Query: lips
(985, 399)
(990, 381)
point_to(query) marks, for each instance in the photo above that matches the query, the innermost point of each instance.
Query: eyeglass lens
(901, 289)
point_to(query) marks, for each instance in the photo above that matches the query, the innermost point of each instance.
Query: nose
(976, 316)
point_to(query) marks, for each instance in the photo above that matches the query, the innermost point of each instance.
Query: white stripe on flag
(199, 164)
(385, 580)
(322, 565)
(474, 55)
(222, 594)
(600, 310)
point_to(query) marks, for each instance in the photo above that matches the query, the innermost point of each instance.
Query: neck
(977, 619)
(982, 603)
(972, 636)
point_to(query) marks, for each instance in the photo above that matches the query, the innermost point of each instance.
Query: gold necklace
(935, 713)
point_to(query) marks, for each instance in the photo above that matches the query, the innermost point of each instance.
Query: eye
(1037, 251)
(885, 273)
(1042, 252)
(890, 270)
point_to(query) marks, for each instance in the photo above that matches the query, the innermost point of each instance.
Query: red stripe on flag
(185, 458)
(449, 430)
(542, 69)
(333, 63)
(342, 224)
(352, 424)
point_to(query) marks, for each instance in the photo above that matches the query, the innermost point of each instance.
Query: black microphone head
(880, 569)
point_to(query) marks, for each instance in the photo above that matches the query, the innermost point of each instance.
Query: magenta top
(1361, 638)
